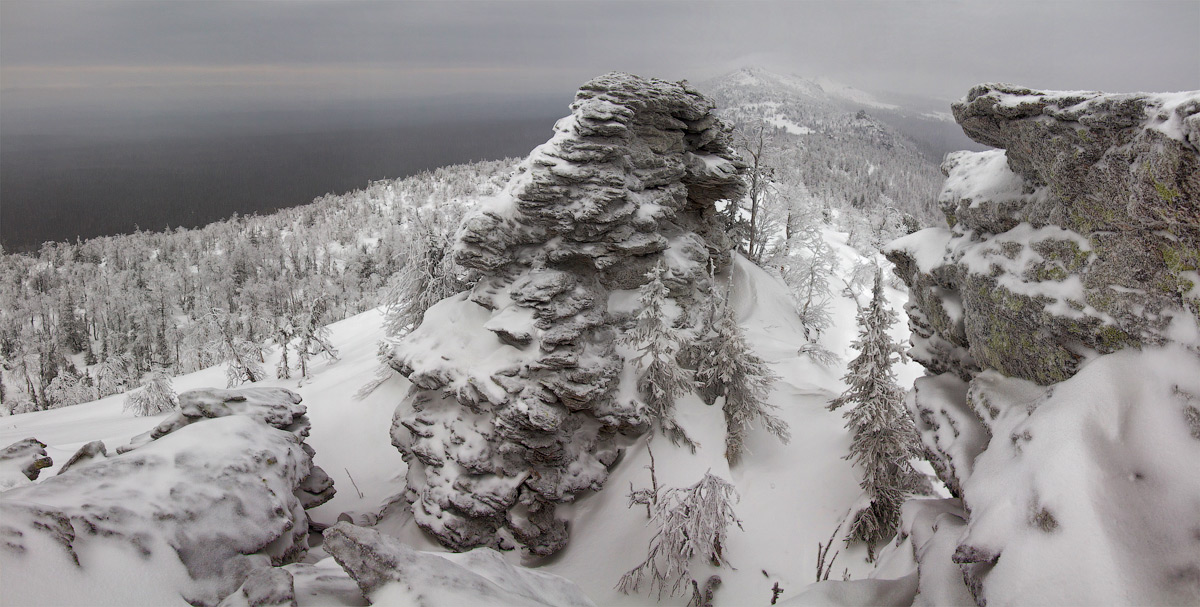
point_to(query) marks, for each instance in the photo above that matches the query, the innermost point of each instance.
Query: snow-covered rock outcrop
(212, 494)
(515, 409)
(1057, 317)
(391, 573)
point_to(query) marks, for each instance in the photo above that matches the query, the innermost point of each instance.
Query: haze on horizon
(168, 113)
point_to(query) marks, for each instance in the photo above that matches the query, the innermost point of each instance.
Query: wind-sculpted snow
(515, 410)
(1057, 316)
(391, 573)
(209, 496)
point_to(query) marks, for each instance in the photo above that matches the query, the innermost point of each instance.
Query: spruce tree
(885, 438)
(658, 344)
(734, 371)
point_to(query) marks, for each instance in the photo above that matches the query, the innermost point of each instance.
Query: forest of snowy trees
(80, 321)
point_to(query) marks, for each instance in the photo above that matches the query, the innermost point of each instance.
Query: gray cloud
(234, 52)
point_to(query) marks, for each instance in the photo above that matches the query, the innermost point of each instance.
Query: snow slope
(792, 496)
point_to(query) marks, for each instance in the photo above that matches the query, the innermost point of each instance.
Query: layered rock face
(1081, 235)
(1057, 317)
(214, 493)
(514, 408)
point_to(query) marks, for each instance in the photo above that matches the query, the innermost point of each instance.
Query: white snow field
(791, 496)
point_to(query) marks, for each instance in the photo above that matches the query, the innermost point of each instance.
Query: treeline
(80, 321)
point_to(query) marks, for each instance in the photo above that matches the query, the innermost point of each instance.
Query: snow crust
(1090, 492)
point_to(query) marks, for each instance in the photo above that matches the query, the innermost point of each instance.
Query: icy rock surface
(219, 489)
(1057, 317)
(391, 573)
(514, 410)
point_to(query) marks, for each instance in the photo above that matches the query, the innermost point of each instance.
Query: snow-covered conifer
(155, 396)
(885, 438)
(313, 337)
(691, 522)
(658, 344)
(217, 334)
(731, 369)
(68, 388)
(428, 274)
(283, 333)
(114, 375)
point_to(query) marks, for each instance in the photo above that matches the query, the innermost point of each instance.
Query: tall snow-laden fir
(155, 396)
(658, 343)
(885, 438)
(732, 370)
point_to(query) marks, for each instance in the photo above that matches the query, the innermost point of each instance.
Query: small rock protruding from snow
(90, 452)
(23, 458)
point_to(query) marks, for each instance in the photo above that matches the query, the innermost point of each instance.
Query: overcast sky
(182, 53)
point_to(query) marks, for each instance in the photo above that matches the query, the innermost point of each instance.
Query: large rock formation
(514, 409)
(212, 494)
(1057, 317)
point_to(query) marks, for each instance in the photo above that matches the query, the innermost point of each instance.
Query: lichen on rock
(1061, 244)
(513, 409)
(1068, 248)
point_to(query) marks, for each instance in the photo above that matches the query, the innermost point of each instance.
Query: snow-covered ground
(792, 496)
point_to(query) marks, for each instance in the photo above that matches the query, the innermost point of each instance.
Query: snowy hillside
(831, 138)
(792, 496)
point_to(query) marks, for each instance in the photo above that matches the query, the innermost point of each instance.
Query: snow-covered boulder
(515, 409)
(199, 503)
(22, 462)
(1057, 316)
(391, 573)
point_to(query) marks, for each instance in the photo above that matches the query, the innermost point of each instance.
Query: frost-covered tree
(658, 343)
(692, 522)
(114, 375)
(428, 274)
(312, 337)
(884, 437)
(282, 334)
(732, 370)
(806, 261)
(217, 333)
(155, 396)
